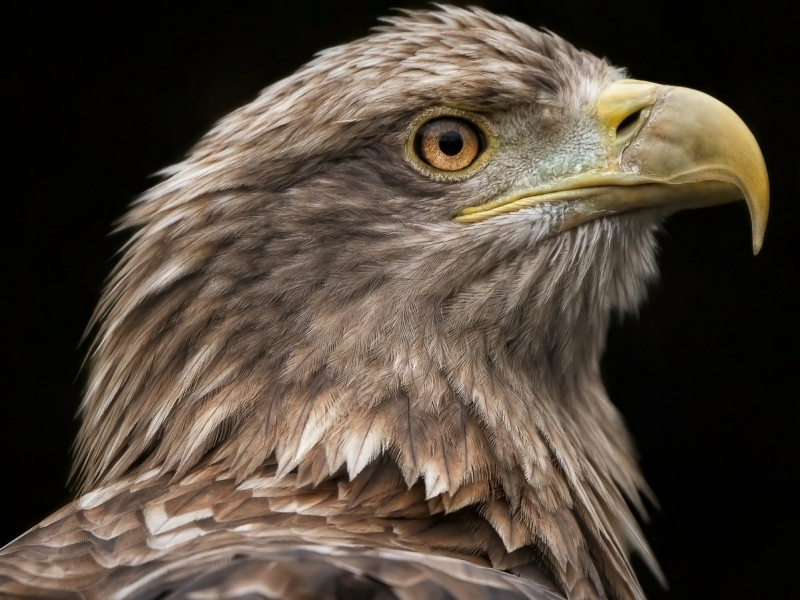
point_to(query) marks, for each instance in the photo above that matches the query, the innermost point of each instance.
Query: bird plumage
(308, 380)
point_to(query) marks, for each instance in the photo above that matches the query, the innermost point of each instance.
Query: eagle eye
(448, 143)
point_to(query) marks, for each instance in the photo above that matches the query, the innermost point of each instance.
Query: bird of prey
(351, 348)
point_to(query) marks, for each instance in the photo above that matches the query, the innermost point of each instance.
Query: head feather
(294, 291)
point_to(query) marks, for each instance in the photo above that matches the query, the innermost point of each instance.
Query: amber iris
(448, 144)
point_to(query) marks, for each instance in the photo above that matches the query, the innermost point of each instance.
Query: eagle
(351, 348)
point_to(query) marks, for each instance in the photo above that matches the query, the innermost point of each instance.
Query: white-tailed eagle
(351, 348)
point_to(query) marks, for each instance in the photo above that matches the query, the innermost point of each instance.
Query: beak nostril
(628, 123)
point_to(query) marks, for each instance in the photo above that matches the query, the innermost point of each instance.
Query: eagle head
(407, 254)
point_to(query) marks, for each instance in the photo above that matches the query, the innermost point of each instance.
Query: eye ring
(474, 124)
(448, 143)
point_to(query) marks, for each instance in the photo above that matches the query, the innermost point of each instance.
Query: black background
(706, 376)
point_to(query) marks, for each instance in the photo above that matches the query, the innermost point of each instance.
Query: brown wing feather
(208, 537)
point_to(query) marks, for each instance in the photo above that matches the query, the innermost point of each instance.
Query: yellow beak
(666, 147)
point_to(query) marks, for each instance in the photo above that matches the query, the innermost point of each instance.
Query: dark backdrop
(707, 375)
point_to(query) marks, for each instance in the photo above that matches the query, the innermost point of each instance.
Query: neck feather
(218, 347)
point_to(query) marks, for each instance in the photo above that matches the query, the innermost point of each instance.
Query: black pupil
(451, 143)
